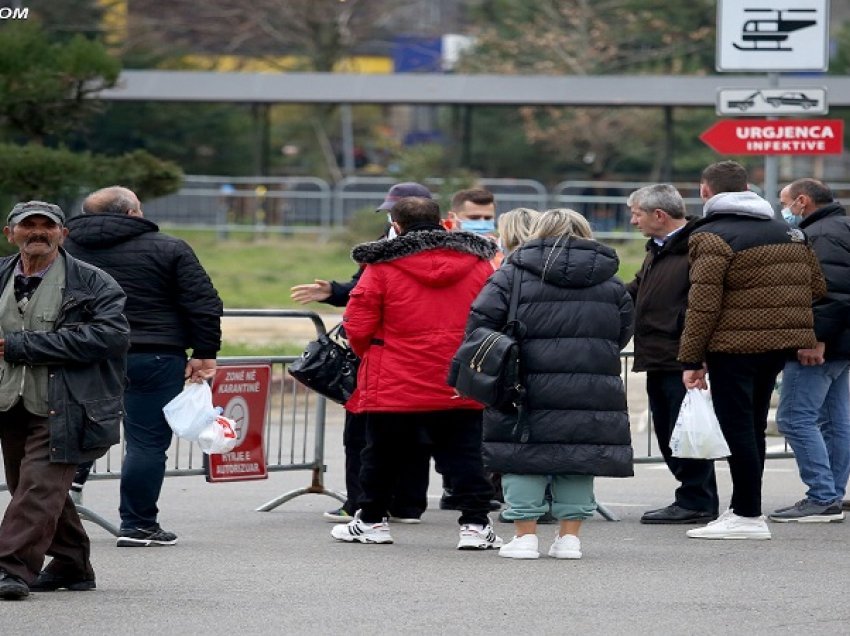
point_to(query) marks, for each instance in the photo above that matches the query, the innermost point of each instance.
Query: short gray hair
(661, 196)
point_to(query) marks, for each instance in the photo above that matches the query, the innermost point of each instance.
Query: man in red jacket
(406, 319)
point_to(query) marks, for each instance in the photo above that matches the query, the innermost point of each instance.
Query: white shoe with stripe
(357, 531)
(476, 537)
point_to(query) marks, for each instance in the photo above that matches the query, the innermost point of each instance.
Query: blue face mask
(482, 226)
(790, 218)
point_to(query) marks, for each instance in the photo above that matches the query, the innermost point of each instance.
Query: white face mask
(391, 233)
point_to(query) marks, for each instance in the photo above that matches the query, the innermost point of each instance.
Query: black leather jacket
(86, 355)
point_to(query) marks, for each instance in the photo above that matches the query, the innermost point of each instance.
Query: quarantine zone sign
(243, 393)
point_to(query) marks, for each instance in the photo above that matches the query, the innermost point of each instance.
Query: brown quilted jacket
(753, 281)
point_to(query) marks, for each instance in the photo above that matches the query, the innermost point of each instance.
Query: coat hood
(433, 257)
(739, 203)
(567, 261)
(97, 231)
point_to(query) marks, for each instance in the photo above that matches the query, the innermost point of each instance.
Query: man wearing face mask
(474, 210)
(410, 497)
(814, 404)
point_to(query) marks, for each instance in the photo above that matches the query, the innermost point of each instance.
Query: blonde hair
(515, 227)
(561, 222)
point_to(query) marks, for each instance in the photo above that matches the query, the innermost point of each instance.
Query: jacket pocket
(102, 423)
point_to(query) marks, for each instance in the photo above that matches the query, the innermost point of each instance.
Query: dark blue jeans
(154, 379)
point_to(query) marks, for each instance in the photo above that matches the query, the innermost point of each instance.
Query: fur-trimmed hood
(433, 257)
(414, 242)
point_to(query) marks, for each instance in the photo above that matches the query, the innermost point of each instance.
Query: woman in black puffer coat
(577, 317)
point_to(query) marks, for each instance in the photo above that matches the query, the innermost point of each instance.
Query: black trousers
(741, 386)
(410, 490)
(41, 518)
(698, 489)
(454, 440)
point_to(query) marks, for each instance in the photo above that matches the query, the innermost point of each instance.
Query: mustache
(38, 239)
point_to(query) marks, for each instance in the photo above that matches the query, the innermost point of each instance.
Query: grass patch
(258, 273)
(242, 349)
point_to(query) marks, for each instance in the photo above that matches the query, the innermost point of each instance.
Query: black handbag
(486, 367)
(328, 366)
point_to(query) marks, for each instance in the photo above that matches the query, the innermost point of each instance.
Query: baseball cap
(402, 191)
(30, 208)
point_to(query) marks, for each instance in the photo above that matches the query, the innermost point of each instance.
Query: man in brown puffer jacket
(753, 280)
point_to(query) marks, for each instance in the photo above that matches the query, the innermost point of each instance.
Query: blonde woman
(515, 228)
(577, 317)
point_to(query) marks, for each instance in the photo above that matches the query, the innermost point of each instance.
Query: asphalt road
(237, 571)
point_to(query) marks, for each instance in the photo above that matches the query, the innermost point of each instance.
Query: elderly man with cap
(410, 498)
(62, 368)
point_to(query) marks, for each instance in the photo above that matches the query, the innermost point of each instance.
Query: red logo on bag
(225, 424)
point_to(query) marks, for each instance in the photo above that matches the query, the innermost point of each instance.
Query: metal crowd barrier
(294, 428)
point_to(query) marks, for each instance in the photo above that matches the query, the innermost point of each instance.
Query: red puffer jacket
(407, 315)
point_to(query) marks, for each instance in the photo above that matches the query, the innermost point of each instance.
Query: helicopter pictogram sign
(772, 35)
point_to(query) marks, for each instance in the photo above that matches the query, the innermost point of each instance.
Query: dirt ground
(265, 330)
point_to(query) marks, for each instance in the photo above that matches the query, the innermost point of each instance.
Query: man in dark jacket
(814, 405)
(660, 292)
(62, 364)
(172, 306)
(753, 280)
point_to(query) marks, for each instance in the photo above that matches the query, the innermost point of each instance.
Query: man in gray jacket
(62, 367)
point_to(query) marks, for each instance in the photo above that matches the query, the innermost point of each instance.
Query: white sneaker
(566, 547)
(475, 537)
(731, 526)
(357, 531)
(524, 547)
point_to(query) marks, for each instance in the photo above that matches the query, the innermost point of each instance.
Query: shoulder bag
(486, 367)
(328, 366)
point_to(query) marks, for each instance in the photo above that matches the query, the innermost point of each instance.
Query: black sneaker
(12, 588)
(140, 538)
(50, 582)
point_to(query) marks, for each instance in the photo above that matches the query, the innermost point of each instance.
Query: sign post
(772, 36)
(243, 393)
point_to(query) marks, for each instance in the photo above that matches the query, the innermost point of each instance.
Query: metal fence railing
(295, 425)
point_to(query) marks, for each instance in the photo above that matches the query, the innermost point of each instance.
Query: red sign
(779, 137)
(243, 393)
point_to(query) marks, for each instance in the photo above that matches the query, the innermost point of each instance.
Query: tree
(582, 37)
(46, 86)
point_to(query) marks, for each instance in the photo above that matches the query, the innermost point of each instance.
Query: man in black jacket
(660, 293)
(172, 306)
(814, 404)
(62, 356)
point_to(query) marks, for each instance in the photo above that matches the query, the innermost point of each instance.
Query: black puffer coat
(578, 317)
(170, 299)
(828, 230)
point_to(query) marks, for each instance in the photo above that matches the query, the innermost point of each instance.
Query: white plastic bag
(697, 434)
(191, 411)
(219, 436)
